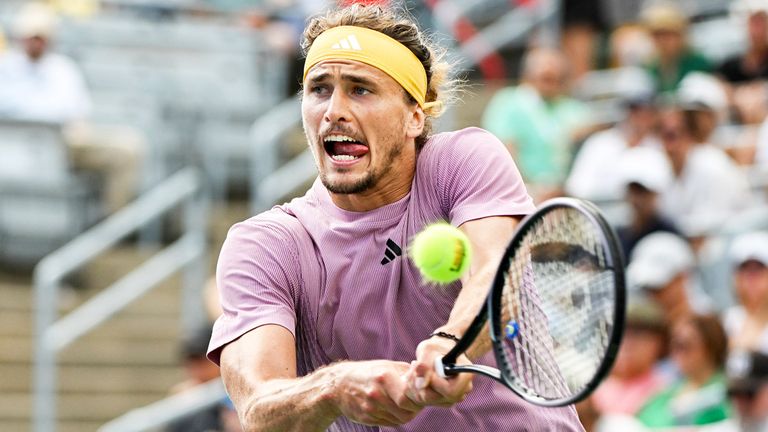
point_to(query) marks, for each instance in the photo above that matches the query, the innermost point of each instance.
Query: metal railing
(188, 253)
(266, 133)
(165, 411)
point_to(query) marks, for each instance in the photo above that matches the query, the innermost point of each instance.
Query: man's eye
(360, 91)
(318, 89)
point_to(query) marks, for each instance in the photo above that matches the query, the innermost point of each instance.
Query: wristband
(445, 336)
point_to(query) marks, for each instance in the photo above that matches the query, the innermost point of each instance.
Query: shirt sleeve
(257, 277)
(477, 178)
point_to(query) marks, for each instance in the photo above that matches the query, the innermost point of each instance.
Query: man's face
(642, 200)
(751, 282)
(549, 77)
(361, 128)
(672, 296)
(669, 43)
(35, 46)
(673, 133)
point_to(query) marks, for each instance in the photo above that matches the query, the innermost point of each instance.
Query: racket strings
(560, 293)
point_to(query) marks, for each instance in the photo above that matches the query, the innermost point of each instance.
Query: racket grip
(440, 368)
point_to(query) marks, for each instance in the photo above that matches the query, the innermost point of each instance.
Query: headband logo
(349, 42)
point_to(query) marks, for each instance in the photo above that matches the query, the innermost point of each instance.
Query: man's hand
(374, 393)
(425, 386)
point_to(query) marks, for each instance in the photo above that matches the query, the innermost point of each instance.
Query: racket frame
(491, 310)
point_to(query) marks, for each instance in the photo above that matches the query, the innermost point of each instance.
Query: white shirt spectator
(709, 190)
(761, 157)
(596, 175)
(51, 89)
(734, 319)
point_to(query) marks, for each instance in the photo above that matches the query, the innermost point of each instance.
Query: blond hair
(395, 23)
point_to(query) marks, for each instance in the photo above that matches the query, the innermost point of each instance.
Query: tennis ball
(441, 252)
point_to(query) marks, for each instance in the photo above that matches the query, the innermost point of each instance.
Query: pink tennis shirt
(341, 281)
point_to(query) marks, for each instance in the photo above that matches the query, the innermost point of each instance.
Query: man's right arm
(259, 372)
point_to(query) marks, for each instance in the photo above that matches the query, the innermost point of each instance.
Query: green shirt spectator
(668, 26)
(667, 77)
(674, 407)
(539, 131)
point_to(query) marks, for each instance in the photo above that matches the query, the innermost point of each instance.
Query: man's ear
(415, 123)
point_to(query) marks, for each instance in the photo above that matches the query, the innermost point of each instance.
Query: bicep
(263, 354)
(489, 238)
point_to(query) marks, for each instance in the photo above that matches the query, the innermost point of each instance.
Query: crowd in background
(683, 158)
(677, 160)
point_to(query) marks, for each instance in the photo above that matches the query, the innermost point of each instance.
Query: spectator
(707, 187)
(36, 84)
(662, 265)
(698, 348)
(630, 46)
(635, 375)
(198, 370)
(747, 373)
(538, 122)
(595, 174)
(39, 85)
(674, 58)
(705, 103)
(747, 322)
(751, 65)
(583, 23)
(645, 175)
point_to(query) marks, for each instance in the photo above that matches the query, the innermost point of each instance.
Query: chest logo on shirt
(391, 252)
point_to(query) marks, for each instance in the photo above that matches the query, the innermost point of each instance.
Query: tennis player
(326, 323)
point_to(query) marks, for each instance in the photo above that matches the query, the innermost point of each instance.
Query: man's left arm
(489, 238)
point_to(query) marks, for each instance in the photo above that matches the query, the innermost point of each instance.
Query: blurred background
(134, 133)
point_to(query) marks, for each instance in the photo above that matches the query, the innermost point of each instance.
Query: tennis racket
(556, 307)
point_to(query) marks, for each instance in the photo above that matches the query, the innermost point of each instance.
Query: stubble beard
(369, 180)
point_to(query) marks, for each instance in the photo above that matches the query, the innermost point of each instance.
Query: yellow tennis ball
(441, 252)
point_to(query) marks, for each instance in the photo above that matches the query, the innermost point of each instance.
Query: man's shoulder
(275, 225)
(456, 140)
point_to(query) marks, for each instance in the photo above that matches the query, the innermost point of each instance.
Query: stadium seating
(43, 203)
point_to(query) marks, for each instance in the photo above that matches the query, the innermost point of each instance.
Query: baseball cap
(750, 246)
(647, 167)
(634, 85)
(664, 16)
(35, 19)
(702, 91)
(746, 371)
(657, 259)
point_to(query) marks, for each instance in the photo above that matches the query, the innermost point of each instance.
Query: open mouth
(343, 148)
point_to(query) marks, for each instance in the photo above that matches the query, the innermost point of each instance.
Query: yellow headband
(375, 49)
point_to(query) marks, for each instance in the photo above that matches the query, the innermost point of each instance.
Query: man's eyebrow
(357, 79)
(319, 77)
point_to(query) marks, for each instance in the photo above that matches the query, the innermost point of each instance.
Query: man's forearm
(467, 306)
(489, 239)
(300, 404)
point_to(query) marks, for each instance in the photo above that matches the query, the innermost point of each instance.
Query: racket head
(557, 305)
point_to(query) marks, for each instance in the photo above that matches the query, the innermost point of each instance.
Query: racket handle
(440, 368)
